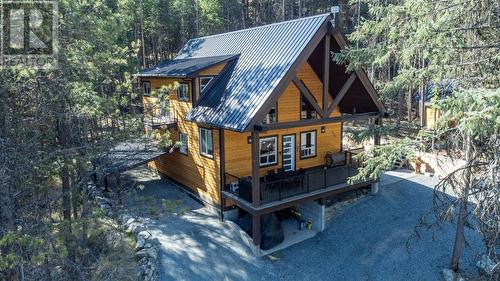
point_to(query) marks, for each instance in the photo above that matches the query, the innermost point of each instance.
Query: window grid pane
(183, 91)
(206, 147)
(268, 151)
(184, 146)
(308, 144)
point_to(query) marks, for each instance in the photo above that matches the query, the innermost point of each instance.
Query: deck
(164, 121)
(292, 187)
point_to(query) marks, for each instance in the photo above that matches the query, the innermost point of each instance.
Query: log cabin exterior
(259, 113)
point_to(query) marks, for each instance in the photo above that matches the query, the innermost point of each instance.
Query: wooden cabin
(259, 113)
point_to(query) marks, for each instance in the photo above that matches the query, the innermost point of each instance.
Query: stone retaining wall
(146, 247)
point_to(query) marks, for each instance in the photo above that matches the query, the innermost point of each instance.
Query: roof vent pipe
(334, 10)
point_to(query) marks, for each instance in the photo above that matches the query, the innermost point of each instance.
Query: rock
(102, 199)
(148, 245)
(486, 265)
(450, 275)
(154, 241)
(138, 228)
(135, 227)
(151, 252)
(124, 218)
(144, 235)
(142, 254)
(129, 221)
(140, 243)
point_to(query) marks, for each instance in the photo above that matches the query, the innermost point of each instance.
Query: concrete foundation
(374, 188)
(231, 215)
(315, 213)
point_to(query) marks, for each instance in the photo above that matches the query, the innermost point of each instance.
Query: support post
(222, 172)
(322, 201)
(255, 169)
(326, 73)
(374, 188)
(256, 230)
(222, 205)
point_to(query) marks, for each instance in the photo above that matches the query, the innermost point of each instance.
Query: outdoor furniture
(245, 188)
(333, 159)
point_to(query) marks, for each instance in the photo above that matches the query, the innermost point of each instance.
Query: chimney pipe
(334, 10)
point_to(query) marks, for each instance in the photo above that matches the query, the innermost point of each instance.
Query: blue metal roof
(183, 67)
(266, 54)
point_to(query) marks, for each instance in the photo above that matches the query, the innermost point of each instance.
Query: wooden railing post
(279, 189)
(324, 177)
(307, 182)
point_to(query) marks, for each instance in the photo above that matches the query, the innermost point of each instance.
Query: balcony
(288, 186)
(160, 121)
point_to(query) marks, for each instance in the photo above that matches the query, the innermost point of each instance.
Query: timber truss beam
(327, 110)
(313, 122)
(341, 94)
(309, 96)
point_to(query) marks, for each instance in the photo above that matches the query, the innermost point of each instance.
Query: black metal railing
(279, 186)
(156, 121)
(158, 117)
(304, 182)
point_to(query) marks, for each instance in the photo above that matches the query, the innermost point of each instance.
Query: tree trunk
(6, 207)
(409, 104)
(142, 36)
(283, 10)
(400, 108)
(63, 132)
(464, 200)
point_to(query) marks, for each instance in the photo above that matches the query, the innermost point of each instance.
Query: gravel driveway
(366, 241)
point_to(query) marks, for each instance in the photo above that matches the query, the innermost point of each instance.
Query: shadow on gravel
(195, 245)
(366, 241)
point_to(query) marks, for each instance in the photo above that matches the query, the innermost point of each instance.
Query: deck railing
(156, 117)
(305, 182)
(280, 186)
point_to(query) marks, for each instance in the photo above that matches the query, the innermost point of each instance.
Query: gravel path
(196, 245)
(366, 241)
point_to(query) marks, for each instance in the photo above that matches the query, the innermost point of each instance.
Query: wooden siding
(238, 150)
(214, 70)
(200, 174)
(431, 117)
(211, 71)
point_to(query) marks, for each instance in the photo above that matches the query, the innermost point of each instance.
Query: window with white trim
(204, 81)
(183, 139)
(268, 151)
(146, 88)
(308, 144)
(183, 92)
(206, 143)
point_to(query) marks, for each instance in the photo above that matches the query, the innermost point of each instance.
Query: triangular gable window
(204, 81)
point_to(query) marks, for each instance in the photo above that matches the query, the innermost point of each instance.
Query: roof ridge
(261, 26)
